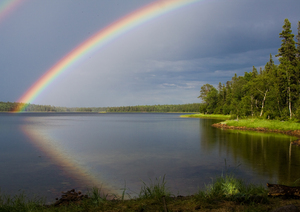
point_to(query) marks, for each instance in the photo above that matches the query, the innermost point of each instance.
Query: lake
(46, 153)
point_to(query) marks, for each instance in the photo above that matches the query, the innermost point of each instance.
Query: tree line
(194, 107)
(10, 106)
(273, 92)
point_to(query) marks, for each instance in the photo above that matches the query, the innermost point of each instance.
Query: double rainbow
(97, 41)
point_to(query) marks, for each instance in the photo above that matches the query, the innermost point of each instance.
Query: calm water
(45, 154)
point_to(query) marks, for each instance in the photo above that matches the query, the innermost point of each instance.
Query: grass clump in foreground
(232, 189)
(263, 123)
(210, 116)
(225, 193)
(154, 191)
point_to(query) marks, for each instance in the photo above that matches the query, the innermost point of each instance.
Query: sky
(163, 61)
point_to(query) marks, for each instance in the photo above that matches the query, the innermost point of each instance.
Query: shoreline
(281, 129)
(206, 116)
(157, 197)
(295, 133)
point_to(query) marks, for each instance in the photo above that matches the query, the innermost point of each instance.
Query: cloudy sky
(163, 61)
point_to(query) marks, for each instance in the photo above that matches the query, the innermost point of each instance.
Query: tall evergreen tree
(298, 42)
(288, 62)
(287, 51)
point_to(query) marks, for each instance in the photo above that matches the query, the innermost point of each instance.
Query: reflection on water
(64, 160)
(266, 154)
(56, 152)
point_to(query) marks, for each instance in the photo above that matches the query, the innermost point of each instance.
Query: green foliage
(298, 42)
(230, 188)
(288, 49)
(10, 106)
(157, 108)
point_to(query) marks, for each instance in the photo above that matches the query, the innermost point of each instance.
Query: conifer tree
(287, 50)
(288, 62)
(298, 42)
(254, 72)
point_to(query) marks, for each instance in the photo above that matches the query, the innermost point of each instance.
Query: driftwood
(276, 190)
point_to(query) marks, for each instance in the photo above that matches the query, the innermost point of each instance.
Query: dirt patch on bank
(295, 133)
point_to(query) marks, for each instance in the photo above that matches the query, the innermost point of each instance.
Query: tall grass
(20, 203)
(96, 197)
(155, 190)
(230, 188)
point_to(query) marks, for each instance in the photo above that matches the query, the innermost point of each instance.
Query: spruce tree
(298, 42)
(288, 63)
(287, 50)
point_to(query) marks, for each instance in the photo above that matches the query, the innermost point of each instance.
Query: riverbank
(226, 193)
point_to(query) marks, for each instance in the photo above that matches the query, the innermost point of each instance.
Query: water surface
(46, 153)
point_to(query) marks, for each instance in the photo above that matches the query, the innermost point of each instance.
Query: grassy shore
(250, 123)
(225, 193)
(263, 123)
(208, 116)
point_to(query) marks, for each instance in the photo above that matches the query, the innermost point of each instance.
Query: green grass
(209, 116)
(155, 190)
(224, 193)
(20, 202)
(264, 123)
(232, 189)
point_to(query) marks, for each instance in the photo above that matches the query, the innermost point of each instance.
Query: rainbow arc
(98, 40)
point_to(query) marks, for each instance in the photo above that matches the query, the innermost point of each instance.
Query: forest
(9, 106)
(194, 107)
(272, 92)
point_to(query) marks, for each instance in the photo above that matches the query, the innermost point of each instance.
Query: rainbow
(6, 7)
(46, 144)
(97, 41)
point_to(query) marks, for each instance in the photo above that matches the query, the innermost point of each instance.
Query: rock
(276, 190)
(287, 208)
(70, 196)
